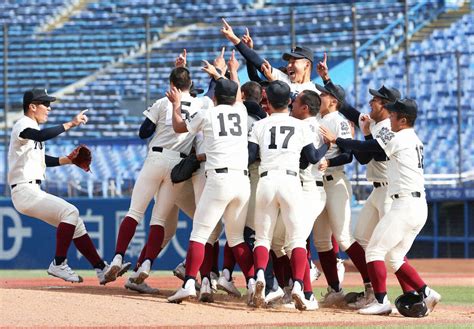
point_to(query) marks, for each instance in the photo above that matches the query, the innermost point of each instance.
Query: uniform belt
(413, 194)
(288, 172)
(37, 181)
(328, 178)
(160, 149)
(318, 183)
(379, 184)
(226, 170)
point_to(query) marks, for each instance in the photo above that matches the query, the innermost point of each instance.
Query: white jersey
(280, 139)
(377, 170)
(25, 156)
(295, 88)
(339, 125)
(312, 173)
(405, 166)
(225, 141)
(160, 113)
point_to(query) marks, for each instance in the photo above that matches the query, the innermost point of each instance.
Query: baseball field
(32, 299)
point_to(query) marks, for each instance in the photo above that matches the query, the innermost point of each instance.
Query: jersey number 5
(290, 131)
(235, 130)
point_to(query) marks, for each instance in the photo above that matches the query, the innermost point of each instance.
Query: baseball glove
(184, 169)
(81, 156)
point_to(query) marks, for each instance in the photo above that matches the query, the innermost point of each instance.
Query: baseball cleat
(101, 273)
(274, 295)
(125, 267)
(298, 296)
(113, 270)
(63, 271)
(228, 286)
(376, 308)
(142, 273)
(189, 291)
(332, 298)
(341, 269)
(311, 304)
(432, 298)
(363, 299)
(259, 295)
(180, 271)
(205, 293)
(142, 288)
(214, 278)
(250, 291)
(314, 272)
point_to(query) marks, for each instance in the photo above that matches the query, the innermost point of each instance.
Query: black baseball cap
(390, 94)
(37, 95)
(278, 92)
(405, 106)
(334, 90)
(226, 87)
(193, 91)
(299, 52)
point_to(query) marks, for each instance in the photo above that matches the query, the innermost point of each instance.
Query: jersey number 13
(229, 124)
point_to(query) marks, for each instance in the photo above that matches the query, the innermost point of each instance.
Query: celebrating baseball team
(263, 161)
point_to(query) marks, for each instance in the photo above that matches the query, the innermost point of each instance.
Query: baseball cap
(405, 105)
(299, 52)
(390, 94)
(334, 90)
(37, 95)
(278, 92)
(226, 87)
(193, 91)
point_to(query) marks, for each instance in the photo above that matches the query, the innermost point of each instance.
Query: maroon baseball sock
(335, 245)
(125, 235)
(260, 258)
(86, 247)
(308, 249)
(278, 269)
(64, 234)
(298, 263)
(329, 265)
(287, 269)
(378, 276)
(141, 258)
(405, 286)
(357, 255)
(206, 265)
(215, 257)
(229, 259)
(307, 279)
(243, 256)
(155, 240)
(194, 258)
(409, 275)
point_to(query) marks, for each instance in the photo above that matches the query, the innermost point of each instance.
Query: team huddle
(263, 161)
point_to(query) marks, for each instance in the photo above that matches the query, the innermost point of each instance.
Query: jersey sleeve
(343, 129)
(21, 126)
(387, 141)
(196, 121)
(153, 111)
(308, 135)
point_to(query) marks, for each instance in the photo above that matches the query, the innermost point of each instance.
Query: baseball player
(165, 150)
(298, 70)
(280, 139)
(336, 216)
(227, 187)
(27, 162)
(394, 234)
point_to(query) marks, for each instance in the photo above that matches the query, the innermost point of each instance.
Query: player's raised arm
(181, 59)
(233, 66)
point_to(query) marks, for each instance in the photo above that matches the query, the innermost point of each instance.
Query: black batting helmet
(411, 305)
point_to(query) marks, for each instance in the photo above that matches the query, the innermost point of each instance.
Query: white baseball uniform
(379, 202)
(227, 189)
(295, 88)
(165, 150)
(335, 218)
(314, 197)
(26, 162)
(396, 231)
(281, 139)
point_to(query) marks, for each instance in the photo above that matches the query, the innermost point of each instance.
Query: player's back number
(284, 135)
(229, 123)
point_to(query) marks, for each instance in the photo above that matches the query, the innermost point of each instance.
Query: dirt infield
(49, 302)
